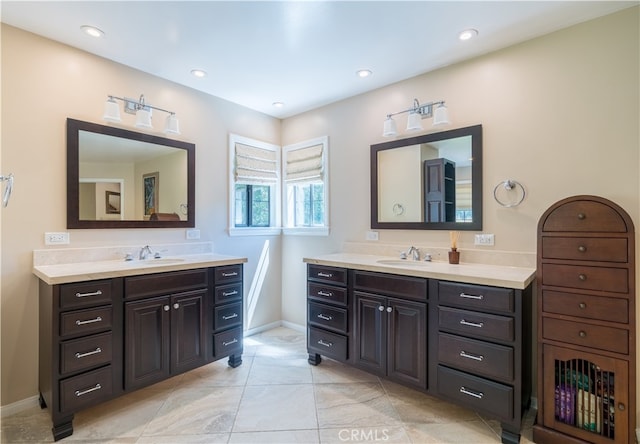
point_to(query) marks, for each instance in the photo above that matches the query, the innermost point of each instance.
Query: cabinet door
(187, 331)
(407, 342)
(371, 333)
(147, 331)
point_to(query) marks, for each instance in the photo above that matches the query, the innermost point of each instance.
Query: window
(305, 183)
(254, 199)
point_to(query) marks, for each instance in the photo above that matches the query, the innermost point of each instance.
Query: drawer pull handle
(582, 216)
(326, 344)
(231, 293)
(87, 391)
(89, 321)
(227, 274)
(582, 334)
(325, 317)
(466, 391)
(226, 318)
(325, 275)
(478, 297)
(230, 342)
(472, 324)
(582, 248)
(84, 355)
(582, 305)
(93, 293)
(326, 294)
(582, 277)
(464, 354)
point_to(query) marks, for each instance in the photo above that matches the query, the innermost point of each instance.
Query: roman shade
(255, 165)
(304, 164)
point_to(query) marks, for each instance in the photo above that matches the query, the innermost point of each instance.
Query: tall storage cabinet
(586, 323)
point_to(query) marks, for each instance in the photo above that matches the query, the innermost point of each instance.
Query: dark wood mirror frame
(476, 174)
(73, 175)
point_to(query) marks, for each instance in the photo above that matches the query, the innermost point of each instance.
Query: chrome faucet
(416, 253)
(144, 252)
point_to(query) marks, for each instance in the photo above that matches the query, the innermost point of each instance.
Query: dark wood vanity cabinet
(227, 314)
(586, 323)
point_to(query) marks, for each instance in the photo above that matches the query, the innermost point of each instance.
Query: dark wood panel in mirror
(428, 182)
(118, 178)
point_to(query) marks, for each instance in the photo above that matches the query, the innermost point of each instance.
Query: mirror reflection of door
(101, 199)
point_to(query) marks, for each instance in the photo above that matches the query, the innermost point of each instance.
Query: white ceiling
(304, 54)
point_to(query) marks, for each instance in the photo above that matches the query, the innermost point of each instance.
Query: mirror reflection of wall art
(112, 202)
(151, 185)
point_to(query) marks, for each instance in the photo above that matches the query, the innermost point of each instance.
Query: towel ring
(509, 185)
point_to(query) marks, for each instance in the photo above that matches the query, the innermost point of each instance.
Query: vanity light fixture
(142, 111)
(417, 112)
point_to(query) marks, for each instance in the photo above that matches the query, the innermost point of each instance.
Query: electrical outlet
(371, 235)
(193, 234)
(484, 239)
(56, 238)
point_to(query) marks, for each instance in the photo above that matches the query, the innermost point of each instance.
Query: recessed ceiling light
(198, 73)
(278, 104)
(362, 73)
(468, 34)
(92, 31)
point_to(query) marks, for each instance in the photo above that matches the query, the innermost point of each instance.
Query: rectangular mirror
(428, 182)
(118, 178)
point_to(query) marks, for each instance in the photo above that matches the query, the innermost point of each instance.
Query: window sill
(306, 231)
(255, 231)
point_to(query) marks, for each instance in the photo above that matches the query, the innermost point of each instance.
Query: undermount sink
(163, 260)
(401, 262)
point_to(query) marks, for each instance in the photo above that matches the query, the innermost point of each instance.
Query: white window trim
(275, 210)
(307, 231)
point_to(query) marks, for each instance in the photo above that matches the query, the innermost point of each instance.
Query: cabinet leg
(43, 403)
(63, 429)
(314, 359)
(235, 360)
(510, 437)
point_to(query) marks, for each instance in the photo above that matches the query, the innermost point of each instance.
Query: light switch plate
(193, 234)
(371, 235)
(56, 238)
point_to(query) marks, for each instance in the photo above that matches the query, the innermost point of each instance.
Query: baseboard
(19, 406)
(255, 331)
(296, 327)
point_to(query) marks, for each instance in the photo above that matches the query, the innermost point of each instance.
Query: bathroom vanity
(458, 332)
(111, 327)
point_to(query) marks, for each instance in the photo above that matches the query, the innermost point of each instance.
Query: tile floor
(275, 396)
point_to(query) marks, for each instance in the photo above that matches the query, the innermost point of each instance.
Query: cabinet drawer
(329, 317)
(227, 316)
(477, 297)
(585, 248)
(79, 354)
(228, 274)
(327, 344)
(586, 278)
(86, 389)
(391, 285)
(228, 342)
(327, 293)
(83, 294)
(228, 293)
(85, 321)
(475, 324)
(326, 274)
(476, 393)
(586, 335)
(165, 283)
(585, 215)
(478, 357)
(586, 306)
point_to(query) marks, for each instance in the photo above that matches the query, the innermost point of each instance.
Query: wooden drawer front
(583, 216)
(476, 393)
(79, 354)
(228, 274)
(327, 293)
(586, 278)
(84, 294)
(475, 324)
(477, 297)
(585, 248)
(85, 321)
(391, 285)
(327, 344)
(594, 336)
(86, 389)
(478, 357)
(228, 342)
(228, 293)
(165, 283)
(585, 306)
(329, 317)
(326, 274)
(227, 316)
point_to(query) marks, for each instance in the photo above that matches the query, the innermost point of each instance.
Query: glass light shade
(111, 111)
(389, 128)
(441, 115)
(414, 121)
(143, 118)
(171, 125)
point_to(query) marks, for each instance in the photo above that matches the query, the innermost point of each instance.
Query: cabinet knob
(166, 308)
(583, 334)
(582, 305)
(176, 305)
(582, 277)
(389, 309)
(582, 216)
(381, 308)
(582, 248)
(621, 407)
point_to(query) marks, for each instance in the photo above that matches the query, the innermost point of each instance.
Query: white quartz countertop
(470, 273)
(91, 270)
